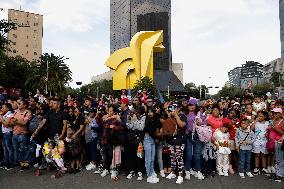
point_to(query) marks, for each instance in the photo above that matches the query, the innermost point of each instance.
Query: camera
(172, 107)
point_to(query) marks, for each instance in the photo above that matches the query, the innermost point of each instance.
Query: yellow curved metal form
(136, 61)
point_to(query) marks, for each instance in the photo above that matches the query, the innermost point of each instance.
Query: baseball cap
(192, 101)
(125, 101)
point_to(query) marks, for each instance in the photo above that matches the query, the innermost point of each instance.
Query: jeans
(159, 155)
(149, 147)
(8, 148)
(279, 156)
(244, 161)
(193, 148)
(20, 144)
(92, 146)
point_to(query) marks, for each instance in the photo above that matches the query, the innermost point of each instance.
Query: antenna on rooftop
(20, 5)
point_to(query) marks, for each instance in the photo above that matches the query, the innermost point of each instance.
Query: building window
(27, 45)
(35, 53)
(27, 37)
(14, 51)
(27, 52)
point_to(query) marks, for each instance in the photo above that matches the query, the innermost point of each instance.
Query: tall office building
(26, 40)
(281, 17)
(235, 77)
(127, 17)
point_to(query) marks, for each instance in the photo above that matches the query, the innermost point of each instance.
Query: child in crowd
(261, 137)
(258, 104)
(91, 138)
(244, 142)
(221, 141)
(233, 122)
(75, 151)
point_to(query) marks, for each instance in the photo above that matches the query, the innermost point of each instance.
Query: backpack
(204, 133)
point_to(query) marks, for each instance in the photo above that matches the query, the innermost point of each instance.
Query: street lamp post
(46, 84)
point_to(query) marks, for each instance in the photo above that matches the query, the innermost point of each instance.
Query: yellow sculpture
(132, 63)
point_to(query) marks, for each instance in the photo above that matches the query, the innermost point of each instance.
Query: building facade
(26, 40)
(272, 67)
(251, 74)
(127, 17)
(235, 77)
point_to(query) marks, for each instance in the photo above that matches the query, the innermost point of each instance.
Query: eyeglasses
(149, 101)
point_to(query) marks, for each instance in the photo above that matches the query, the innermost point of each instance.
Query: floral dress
(261, 137)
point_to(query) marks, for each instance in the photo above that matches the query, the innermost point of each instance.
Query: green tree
(229, 92)
(144, 83)
(14, 71)
(98, 88)
(192, 90)
(276, 77)
(262, 89)
(59, 74)
(5, 27)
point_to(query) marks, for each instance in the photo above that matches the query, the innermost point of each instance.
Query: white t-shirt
(6, 116)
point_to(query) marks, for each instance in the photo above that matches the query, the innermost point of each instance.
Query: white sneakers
(273, 170)
(179, 180)
(104, 173)
(152, 179)
(226, 174)
(171, 176)
(249, 174)
(268, 169)
(187, 175)
(220, 173)
(114, 173)
(130, 175)
(140, 176)
(199, 175)
(90, 167)
(162, 173)
(242, 175)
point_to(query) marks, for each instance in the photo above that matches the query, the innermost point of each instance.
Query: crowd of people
(142, 137)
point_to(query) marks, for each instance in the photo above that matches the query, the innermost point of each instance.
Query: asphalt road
(14, 179)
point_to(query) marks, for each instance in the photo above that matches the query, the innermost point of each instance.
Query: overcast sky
(209, 37)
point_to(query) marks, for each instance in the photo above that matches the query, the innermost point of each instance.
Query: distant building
(235, 77)
(251, 74)
(26, 40)
(272, 67)
(127, 17)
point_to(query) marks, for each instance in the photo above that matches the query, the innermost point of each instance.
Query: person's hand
(111, 126)
(73, 137)
(238, 149)
(175, 112)
(34, 134)
(61, 137)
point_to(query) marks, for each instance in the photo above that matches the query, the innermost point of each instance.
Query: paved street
(85, 180)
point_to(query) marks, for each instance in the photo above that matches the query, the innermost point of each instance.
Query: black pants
(134, 163)
(107, 152)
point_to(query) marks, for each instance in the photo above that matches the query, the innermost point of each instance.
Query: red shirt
(215, 123)
(233, 127)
